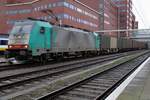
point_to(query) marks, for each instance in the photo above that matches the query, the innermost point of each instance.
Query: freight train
(39, 40)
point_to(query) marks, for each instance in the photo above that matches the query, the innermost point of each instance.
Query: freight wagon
(108, 44)
(39, 40)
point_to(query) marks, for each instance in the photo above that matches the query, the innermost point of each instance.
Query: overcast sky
(143, 10)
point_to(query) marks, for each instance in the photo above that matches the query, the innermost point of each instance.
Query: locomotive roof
(74, 29)
(32, 22)
(43, 24)
(23, 22)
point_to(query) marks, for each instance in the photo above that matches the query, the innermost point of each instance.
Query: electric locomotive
(39, 40)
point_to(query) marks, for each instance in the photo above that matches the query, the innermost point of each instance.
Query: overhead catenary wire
(123, 30)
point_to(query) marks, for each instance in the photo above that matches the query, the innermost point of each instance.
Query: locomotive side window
(42, 30)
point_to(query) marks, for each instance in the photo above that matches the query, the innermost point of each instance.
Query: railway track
(97, 87)
(17, 82)
(31, 64)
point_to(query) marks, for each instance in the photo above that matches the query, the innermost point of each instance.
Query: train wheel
(59, 58)
(83, 54)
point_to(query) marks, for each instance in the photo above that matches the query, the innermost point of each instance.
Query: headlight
(26, 46)
(9, 46)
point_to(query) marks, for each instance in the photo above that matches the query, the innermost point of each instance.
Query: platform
(136, 87)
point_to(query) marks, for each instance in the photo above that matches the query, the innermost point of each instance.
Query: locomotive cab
(19, 36)
(18, 43)
(26, 37)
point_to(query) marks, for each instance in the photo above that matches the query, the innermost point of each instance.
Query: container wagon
(113, 44)
(105, 43)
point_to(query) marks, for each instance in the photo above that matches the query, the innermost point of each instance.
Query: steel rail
(47, 73)
(54, 95)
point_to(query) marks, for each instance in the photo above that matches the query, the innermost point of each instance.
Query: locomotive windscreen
(21, 29)
(20, 33)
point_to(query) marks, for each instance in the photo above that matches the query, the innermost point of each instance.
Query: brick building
(90, 15)
(13, 1)
(127, 18)
(110, 17)
(70, 12)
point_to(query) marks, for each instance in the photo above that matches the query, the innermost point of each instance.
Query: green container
(97, 41)
(119, 43)
(105, 42)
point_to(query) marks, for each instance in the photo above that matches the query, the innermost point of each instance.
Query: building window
(71, 6)
(60, 4)
(54, 4)
(66, 16)
(45, 6)
(50, 5)
(35, 9)
(79, 10)
(66, 4)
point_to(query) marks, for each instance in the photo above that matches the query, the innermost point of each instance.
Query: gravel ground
(57, 84)
(3, 60)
